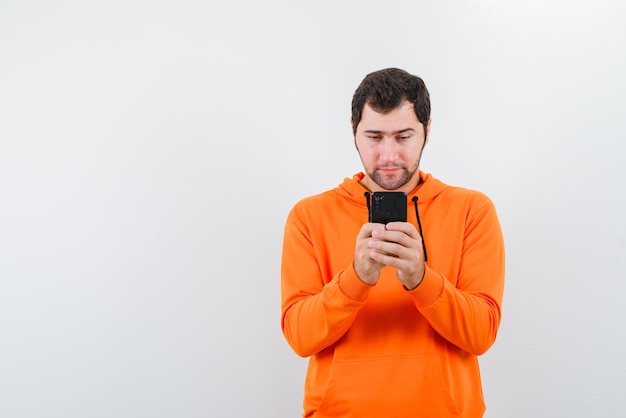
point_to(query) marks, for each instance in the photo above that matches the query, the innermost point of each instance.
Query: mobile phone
(387, 207)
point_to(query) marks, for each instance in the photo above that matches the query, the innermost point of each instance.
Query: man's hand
(366, 267)
(399, 245)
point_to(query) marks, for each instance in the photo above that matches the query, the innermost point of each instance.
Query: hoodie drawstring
(367, 200)
(419, 224)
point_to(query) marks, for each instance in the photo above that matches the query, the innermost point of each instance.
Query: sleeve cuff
(352, 286)
(429, 289)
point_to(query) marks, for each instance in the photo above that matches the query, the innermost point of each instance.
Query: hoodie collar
(428, 188)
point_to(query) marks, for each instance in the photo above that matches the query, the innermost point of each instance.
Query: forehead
(401, 115)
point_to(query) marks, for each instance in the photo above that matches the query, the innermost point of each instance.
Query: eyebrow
(401, 131)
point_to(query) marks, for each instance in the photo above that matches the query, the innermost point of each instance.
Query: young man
(393, 316)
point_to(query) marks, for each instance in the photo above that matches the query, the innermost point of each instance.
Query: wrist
(369, 279)
(416, 284)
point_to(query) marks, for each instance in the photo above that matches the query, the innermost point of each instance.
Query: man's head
(385, 90)
(391, 124)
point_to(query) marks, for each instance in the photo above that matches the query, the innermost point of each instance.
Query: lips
(389, 170)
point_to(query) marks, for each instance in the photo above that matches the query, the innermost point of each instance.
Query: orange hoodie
(383, 351)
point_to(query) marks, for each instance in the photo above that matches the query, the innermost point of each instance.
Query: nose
(388, 150)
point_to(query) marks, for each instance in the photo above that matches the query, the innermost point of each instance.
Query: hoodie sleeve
(314, 314)
(466, 310)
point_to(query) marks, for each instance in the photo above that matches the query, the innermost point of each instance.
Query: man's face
(390, 146)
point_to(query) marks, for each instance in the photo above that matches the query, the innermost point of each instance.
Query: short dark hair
(386, 89)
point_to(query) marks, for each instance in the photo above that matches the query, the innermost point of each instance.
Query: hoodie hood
(428, 188)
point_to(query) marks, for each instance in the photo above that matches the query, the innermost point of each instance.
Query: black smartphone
(387, 207)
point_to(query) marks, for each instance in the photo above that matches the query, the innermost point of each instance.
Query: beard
(403, 176)
(392, 183)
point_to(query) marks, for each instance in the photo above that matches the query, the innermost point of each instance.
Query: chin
(390, 184)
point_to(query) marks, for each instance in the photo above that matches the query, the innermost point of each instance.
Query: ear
(428, 131)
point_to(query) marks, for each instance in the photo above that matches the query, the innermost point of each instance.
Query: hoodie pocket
(388, 387)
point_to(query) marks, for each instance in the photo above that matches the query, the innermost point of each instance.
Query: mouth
(389, 170)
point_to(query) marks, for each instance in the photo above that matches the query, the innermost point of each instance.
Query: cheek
(366, 153)
(369, 156)
(410, 153)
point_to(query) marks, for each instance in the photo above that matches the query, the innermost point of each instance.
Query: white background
(150, 152)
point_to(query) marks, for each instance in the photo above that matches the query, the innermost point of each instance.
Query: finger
(367, 230)
(389, 260)
(397, 251)
(405, 227)
(383, 246)
(405, 269)
(398, 237)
